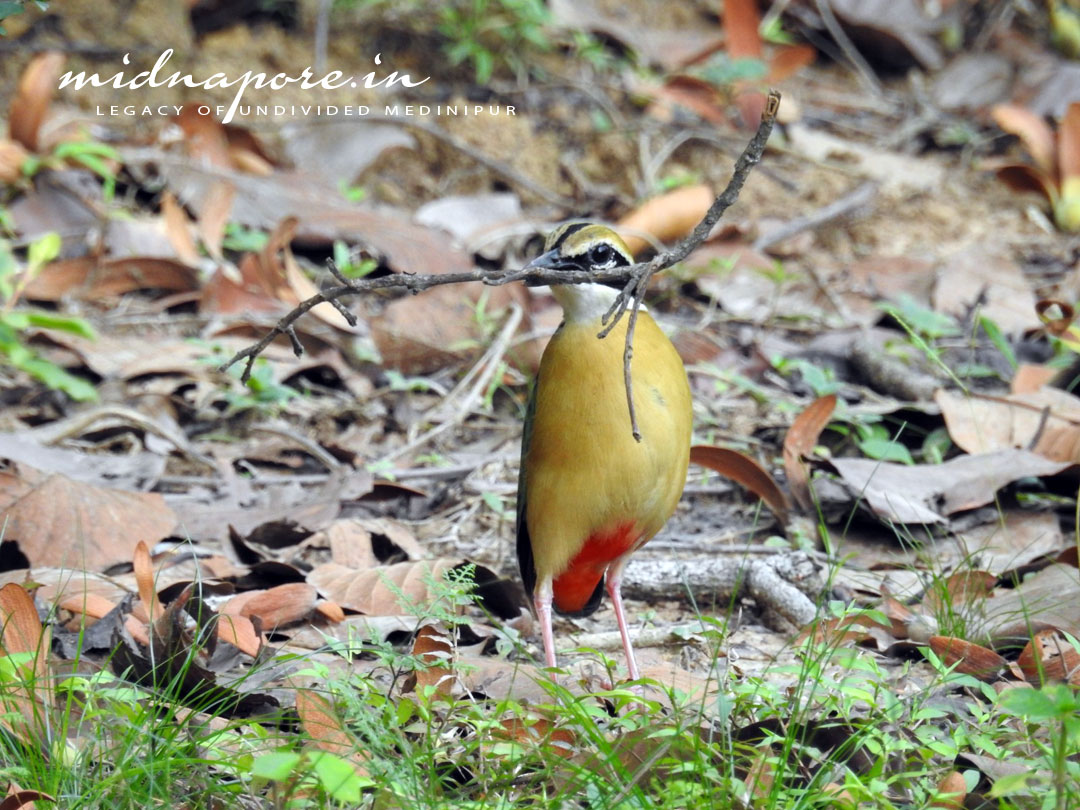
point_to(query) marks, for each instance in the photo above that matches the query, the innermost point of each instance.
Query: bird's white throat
(584, 302)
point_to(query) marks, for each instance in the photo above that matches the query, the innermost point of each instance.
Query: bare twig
(490, 363)
(635, 277)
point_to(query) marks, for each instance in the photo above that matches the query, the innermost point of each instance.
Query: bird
(589, 493)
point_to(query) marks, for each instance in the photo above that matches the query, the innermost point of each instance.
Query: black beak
(548, 261)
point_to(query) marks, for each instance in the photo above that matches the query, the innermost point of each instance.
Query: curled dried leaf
(800, 441)
(743, 470)
(666, 218)
(970, 659)
(34, 94)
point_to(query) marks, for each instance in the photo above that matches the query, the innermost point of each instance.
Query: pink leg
(614, 589)
(542, 601)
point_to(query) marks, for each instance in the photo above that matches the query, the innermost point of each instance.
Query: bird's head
(583, 246)
(589, 247)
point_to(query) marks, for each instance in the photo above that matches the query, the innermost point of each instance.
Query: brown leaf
(322, 724)
(787, 60)
(375, 591)
(1023, 178)
(925, 493)
(12, 158)
(204, 136)
(1049, 656)
(1033, 132)
(214, 216)
(436, 653)
(1030, 378)
(89, 280)
(22, 702)
(93, 605)
(57, 521)
(1069, 144)
(969, 658)
(33, 95)
(177, 228)
(741, 22)
(538, 732)
(951, 792)
(274, 607)
(1050, 598)
(330, 610)
(240, 632)
(421, 333)
(994, 283)
(666, 218)
(800, 441)
(743, 470)
(1046, 422)
(144, 577)
(17, 799)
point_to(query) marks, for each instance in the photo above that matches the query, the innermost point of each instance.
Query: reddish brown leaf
(951, 792)
(205, 136)
(436, 653)
(666, 218)
(741, 22)
(742, 470)
(92, 605)
(1023, 178)
(325, 728)
(970, 659)
(331, 610)
(33, 95)
(1069, 144)
(275, 606)
(86, 279)
(1032, 131)
(20, 627)
(789, 60)
(960, 588)
(12, 158)
(144, 578)
(800, 441)
(57, 521)
(240, 632)
(1049, 656)
(538, 732)
(17, 799)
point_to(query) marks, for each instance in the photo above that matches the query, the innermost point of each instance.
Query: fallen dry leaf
(87, 279)
(24, 698)
(33, 95)
(57, 521)
(215, 216)
(1049, 656)
(376, 591)
(743, 470)
(274, 607)
(666, 218)
(1046, 422)
(178, 230)
(970, 659)
(12, 158)
(434, 650)
(951, 792)
(326, 729)
(800, 441)
(144, 578)
(926, 493)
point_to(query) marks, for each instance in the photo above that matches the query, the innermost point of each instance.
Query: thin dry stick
(635, 277)
(490, 363)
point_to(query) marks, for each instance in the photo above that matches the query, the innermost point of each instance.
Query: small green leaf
(1001, 343)
(43, 250)
(339, 777)
(277, 765)
(886, 450)
(61, 323)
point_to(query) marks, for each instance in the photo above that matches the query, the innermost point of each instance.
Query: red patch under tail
(574, 587)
